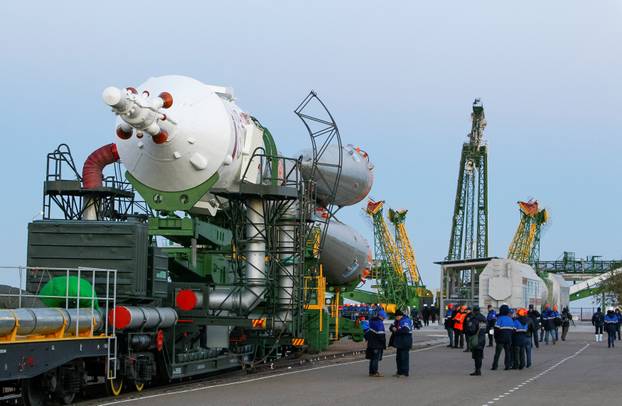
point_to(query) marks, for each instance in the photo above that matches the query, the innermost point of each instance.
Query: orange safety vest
(459, 321)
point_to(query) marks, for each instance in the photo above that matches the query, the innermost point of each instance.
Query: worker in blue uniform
(449, 324)
(376, 342)
(403, 342)
(619, 316)
(520, 339)
(548, 321)
(611, 322)
(491, 320)
(504, 328)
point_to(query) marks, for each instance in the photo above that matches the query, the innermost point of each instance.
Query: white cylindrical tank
(559, 290)
(356, 177)
(174, 133)
(505, 281)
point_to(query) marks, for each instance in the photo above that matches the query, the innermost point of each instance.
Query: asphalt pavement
(575, 372)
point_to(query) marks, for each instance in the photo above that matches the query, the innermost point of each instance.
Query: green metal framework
(569, 264)
(469, 230)
(525, 246)
(387, 270)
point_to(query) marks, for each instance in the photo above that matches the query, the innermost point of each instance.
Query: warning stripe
(258, 323)
(297, 342)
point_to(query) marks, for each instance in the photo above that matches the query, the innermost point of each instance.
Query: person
(611, 327)
(532, 333)
(598, 321)
(425, 313)
(520, 338)
(433, 314)
(403, 342)
(619, 316)
(504, 328)
(449, 324)
(491, 319)
(468, 314)
(548, 320)
(475, 330)
(364, 323)
(376, 342)
(414, 316)
(535, 318)
(566, 319)
(557, 321)
(459, 327)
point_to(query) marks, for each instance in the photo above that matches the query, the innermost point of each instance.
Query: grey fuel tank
(356, 177)
(346, 256)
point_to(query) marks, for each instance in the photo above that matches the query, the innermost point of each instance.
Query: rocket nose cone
(111, 95)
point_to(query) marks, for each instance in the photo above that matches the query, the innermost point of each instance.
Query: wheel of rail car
(115, 386)
(65, 398)
(139, 386)
(33, 392)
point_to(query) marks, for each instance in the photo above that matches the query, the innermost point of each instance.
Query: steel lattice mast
(404, 246)
(388, 271)
(469, 230)
(525, 246)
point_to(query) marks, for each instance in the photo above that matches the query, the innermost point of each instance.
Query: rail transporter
(211, 251)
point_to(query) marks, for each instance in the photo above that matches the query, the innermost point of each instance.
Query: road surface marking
(533, 378)
(261, 378)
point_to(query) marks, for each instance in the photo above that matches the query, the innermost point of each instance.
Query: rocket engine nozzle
(139, 111)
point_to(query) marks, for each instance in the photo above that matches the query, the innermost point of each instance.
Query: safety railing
(87, 292)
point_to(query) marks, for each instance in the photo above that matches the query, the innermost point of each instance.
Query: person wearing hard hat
(520, 339)
(449, 324)
(611, 327)
(548, 320)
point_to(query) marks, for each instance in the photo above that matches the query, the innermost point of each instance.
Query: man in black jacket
(403, 341)
(534, 315)
(475, 330)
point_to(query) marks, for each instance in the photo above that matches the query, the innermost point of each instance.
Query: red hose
(92, 171)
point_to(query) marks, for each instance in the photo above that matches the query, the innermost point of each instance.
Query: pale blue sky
(399, 79)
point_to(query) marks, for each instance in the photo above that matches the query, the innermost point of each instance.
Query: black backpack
(472, 326)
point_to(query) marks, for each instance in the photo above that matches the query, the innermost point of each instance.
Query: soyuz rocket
(175, 134)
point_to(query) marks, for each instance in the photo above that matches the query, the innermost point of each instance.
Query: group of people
(429, 314)
(401, 339)
(610, 322)
(515, 332)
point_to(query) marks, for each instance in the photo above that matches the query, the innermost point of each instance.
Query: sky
(399, 78)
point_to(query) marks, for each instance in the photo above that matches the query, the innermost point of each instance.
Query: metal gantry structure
(525, 246)
(469, 230)
(404, 246)
(387, 270)
(468, 242)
